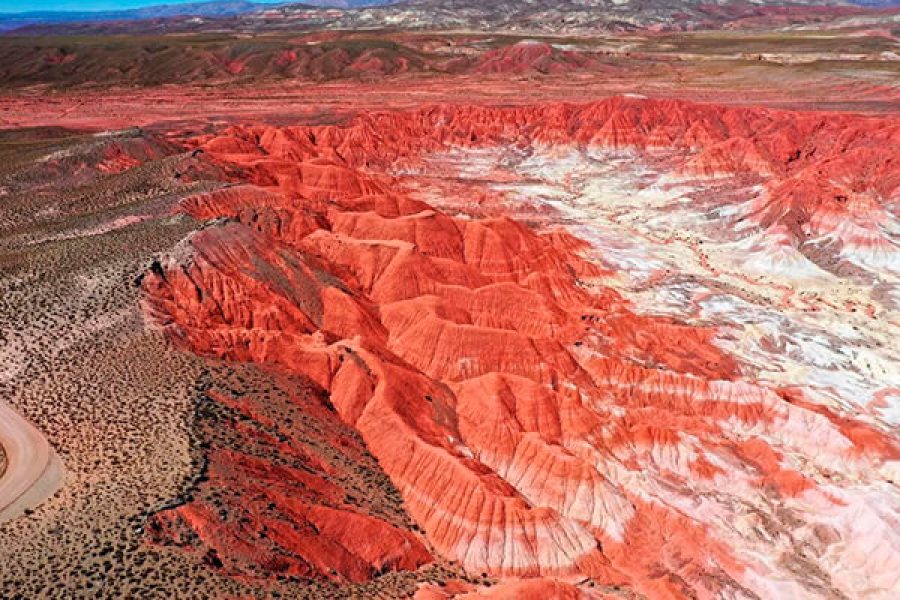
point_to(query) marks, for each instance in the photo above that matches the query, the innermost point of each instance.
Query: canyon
(536, 421)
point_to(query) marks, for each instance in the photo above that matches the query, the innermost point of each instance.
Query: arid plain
(451, 314)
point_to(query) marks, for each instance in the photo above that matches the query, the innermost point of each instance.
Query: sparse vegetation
(130, 416)
(98, 61)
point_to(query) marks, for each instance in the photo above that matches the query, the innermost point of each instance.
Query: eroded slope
(535, 420)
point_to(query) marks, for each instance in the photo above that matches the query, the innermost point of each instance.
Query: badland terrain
(450, 299)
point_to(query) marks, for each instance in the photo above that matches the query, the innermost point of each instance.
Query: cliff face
(534, 423)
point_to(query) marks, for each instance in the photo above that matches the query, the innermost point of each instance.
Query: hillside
(573, 17)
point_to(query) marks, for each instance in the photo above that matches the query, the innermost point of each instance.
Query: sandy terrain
(108, 396)
(115, 400)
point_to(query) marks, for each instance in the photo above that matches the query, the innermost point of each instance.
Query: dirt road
(33, 471)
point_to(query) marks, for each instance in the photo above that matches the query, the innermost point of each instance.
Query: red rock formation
(533, 427)
(279, 496)
(534, 57)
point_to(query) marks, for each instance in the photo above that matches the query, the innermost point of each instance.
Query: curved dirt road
(33, 471)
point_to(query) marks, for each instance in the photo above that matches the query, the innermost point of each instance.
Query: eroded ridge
(534, 422)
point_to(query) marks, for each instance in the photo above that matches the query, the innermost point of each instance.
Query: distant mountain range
(567, 16)
(213, 8)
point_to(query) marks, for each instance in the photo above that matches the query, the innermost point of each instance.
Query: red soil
(171, 107)
(535, 57)
(505, 401)
(287, 490)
